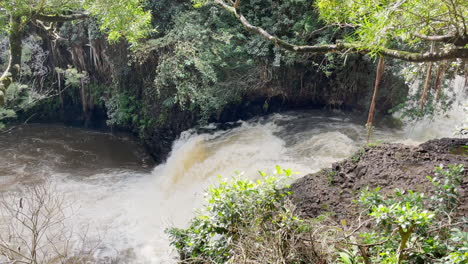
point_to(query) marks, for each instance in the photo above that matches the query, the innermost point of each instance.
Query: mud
(388, 166)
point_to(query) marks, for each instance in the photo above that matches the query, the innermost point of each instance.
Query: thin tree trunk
(84, 101)
(14, 64)
(378, 77)
(405, 236)
(439, 79)
(423, 99)
(61, 96)
(466, 74)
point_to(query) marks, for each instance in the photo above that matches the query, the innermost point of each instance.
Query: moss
(331, 174)
(324, 206)
(374, 144)
(358, 155)
(460, 150)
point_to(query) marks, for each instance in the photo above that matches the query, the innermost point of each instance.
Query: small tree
(33, 228)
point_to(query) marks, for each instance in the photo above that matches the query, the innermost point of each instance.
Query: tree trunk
(405, 237)
(14, 64)
(422, 101)
(378, 77)
(439, 79)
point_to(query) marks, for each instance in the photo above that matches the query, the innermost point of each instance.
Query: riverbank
(386, 203)
(387, 166)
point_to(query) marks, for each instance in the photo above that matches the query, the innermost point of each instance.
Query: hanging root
(440, 78)
(427, 83)
(370, 119)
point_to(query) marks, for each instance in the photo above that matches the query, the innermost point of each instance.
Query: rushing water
(128, 203)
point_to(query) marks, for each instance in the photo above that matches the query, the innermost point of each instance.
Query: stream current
(127, 201)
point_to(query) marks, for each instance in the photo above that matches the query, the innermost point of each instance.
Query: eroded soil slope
(388, 166)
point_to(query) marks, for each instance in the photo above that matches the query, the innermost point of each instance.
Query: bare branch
(35, 230)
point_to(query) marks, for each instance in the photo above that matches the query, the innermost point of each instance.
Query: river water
(127, 201)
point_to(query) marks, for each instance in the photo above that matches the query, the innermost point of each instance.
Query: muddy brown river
(125, 201)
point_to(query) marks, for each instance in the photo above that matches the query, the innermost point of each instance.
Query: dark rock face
(388, 166)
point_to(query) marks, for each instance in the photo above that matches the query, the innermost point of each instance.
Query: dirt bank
(388, 166)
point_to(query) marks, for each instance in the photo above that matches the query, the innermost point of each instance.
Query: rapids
(128, 203)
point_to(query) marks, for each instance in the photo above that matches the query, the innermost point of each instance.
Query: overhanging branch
(441, 38)
(449, 38)
(452, 53)
(60, 18)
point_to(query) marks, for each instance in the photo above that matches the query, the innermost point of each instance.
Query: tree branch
(441, 38)
(343, 47)
(449, 38)
(60, 18)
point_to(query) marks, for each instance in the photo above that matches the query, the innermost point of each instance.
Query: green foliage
(405, 214)
(117, 18)
(331, 174)
(379, 23)
(206, 60)
(230, 206)
(18, 98)
(5, 115)
(72, 76)
(252, 222)
(458, 252)
(346, 257)
(121, 18)
(446, 182)
(123, 110)
(411, 108)
(370, 198)
(402, 210)
(358, 155)
(401, 213)
(374, 144)
(204, 67)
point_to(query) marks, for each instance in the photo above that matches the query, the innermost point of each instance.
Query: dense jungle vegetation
(158, 67)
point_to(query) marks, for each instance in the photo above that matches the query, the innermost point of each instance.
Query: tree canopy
(116, 18)
(411, 30)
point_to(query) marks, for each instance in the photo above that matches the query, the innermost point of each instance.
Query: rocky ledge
(388, 166)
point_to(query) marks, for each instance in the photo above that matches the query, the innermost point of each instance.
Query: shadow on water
(39, 149)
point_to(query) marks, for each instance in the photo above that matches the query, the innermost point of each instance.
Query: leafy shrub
(446, 183)
(254, 222)
(230, 207)
(122, 110)
(401, 213)
(412, 228)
